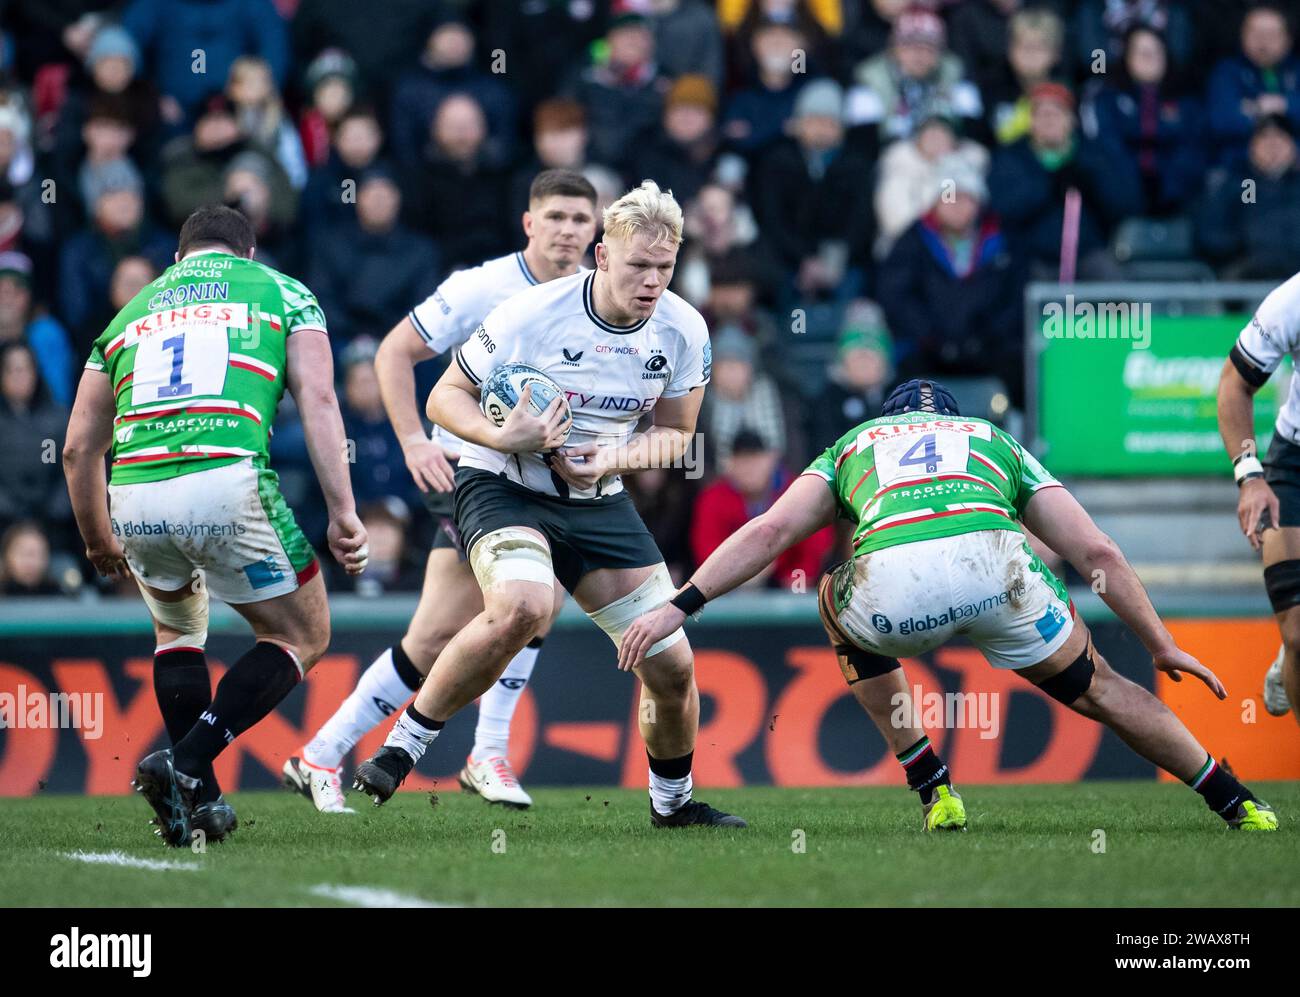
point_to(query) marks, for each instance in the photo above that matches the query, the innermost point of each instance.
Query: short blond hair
(645, 209)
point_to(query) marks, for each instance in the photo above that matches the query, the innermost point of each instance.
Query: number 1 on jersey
(930, 457)
(175, 387)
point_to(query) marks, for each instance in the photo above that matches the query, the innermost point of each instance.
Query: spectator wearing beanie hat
(915, 77)
(21, 321)
(950, 288)
(332, 86)
(741, 395)
(114, 66)
(683, 156)
(812, 198)
(622, 94)
(559, 143)
(1030, 179)
(687, 38)
(909, 174)
(117, 227)
(859, 375)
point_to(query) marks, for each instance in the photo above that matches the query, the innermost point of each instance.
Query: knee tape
(1282, 582)
(511, 554)
(189, 617)
(615, 618)
(1072, 682)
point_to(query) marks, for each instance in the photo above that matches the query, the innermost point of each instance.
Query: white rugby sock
(497, 706)
(668, 795)
(383, 688)
(413, 733)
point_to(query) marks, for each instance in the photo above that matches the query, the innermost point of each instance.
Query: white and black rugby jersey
(612, 375)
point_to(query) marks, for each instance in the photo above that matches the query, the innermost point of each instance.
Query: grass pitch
(1028, 845)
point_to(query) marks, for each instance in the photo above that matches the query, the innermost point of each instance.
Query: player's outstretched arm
(806, 507)
(1057, 518)
(1257, 505)
(311, 380)
(453, 404)
(90, 434)
(395, 362)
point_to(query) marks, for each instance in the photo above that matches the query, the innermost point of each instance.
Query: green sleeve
(96, 360)
(301, 309)
(1033, 476)
(824, 464)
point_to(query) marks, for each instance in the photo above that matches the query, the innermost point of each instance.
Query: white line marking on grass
(130, 861)
(369, 896)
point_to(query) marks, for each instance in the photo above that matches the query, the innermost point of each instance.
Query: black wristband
(689, 600)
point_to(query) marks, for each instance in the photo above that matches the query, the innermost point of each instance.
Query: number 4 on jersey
(930, 457)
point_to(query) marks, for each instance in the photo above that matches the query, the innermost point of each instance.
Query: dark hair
(217, 225)
(41, 394)
(560, 183)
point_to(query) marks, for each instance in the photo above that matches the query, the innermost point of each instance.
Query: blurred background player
(183, 386)
(938, 552)
(560, 224)
(1268, 507)
(530, 513)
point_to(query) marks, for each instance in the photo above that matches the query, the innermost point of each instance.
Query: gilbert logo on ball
(503, 388)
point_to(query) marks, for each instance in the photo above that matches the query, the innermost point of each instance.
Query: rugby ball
(501, 392)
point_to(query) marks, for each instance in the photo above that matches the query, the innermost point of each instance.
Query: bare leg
(1144, 723)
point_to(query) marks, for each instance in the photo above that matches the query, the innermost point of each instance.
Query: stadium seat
(1145, 239)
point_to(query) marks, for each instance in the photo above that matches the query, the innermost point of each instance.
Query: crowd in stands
(868, 186)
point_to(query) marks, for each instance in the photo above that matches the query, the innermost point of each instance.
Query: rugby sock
(924, 769)
(670, 782)
(383, 688)
(184, 690)
(1222, 792)
(414, 732)
(251, 689)
(497, 707)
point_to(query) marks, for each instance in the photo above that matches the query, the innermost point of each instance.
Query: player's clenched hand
(347, 540)
(428, 465)
(1177, 661)
(523, 432)
(645, 632)
(109, 558)
(580, 465)
(1257, 510)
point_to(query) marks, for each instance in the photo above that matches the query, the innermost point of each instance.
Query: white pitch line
(130, 861)
(369, 896)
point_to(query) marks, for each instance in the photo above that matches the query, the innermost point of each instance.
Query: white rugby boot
(1275, 700)
(494, 780)
(324, 787)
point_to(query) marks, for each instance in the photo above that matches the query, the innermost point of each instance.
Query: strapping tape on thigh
(188, 617)
(511, 554)
(615, 618)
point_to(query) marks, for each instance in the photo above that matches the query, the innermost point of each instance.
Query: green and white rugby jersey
(197, 365)
(918, 476)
